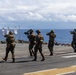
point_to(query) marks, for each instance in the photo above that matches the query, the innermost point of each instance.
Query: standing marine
(10, 45)
(73, 43)
(52, 36)
(38, 45)
(32, 38)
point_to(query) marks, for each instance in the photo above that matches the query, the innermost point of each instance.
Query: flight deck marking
(70, 56)
(60, 71)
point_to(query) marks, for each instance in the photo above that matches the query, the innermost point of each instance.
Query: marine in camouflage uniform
(10, 40)
(38, 46)
(51, 41)
(73, 44)
(32, 39)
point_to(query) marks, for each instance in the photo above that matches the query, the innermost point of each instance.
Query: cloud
(72, 18)
(43, 10)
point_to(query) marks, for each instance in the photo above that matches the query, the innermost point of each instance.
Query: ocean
(62, 35)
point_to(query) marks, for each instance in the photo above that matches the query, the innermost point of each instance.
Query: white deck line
(66, 73)
(71, 56)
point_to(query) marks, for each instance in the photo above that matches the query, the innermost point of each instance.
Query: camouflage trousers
(31, 45)
(36, 49)
(10, 48)
(73, 44)
(50, 47)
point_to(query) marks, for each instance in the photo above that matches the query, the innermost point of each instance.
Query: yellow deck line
(55, 71)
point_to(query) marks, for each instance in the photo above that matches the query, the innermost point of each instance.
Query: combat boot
(34, 60)
(75, 50)
(13, 60)
(43, 59)
(4, 59)
(51, 54)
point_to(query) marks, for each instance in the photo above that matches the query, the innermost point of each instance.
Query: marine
(73, 43)
(10, 45)
(32, 38)
(52, 37)
(38, 45)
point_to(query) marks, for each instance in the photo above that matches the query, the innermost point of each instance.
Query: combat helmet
(38, 31)
(10, 32)
(52, 31)
(31, 30)
(75, 30)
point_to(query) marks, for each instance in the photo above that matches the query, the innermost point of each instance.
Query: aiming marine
(32, 38)
(73, 43)
(52, 36)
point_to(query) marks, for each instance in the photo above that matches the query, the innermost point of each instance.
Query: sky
(38, 14)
